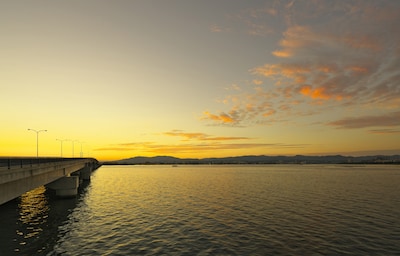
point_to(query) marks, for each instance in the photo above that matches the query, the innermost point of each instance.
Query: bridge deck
(19, 175)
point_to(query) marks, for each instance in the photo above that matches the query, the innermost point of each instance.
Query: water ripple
(240, 210)
(229, 210)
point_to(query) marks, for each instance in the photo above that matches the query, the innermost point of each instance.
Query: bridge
(19, 175)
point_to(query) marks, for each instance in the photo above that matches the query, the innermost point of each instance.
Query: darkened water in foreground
(213, 210)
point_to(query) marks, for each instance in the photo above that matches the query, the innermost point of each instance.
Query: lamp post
(81, 154)
(37, 140)
(61, 141)
(73, 141)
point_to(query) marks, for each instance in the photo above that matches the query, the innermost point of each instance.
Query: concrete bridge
(19, 175)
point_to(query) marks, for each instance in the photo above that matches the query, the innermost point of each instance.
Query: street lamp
(37, 139)
(61, 141)
(81, 154)
(73, 141)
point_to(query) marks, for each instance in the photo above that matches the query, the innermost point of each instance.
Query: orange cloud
(295, 38)
(349, 58)
(362, 42)
(269, 113)
(222, 118)
(202, 147)
(321, 93)
(212, 147)
(225, 138)
(287, 70)
(317, 93)
(201, 136)
(327, 68)
(282, 53)
(113, 148)
(297, 31)
(187, 135)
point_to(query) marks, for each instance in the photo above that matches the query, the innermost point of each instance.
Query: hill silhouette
(263, 159)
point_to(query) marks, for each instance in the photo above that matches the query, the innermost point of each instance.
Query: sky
(195, 79)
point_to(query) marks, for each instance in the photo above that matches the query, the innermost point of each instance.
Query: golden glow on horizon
(254, 79)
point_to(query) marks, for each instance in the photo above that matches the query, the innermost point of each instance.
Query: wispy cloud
(201, 136)
(218, 29)
(385, 131)
(387, 119)
(113, 148)
(195, 142)
(222, 118)
(257, 81)
(336, 54)
(195, 148)
(212, 147)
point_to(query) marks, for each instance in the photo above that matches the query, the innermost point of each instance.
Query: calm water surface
(213, 210)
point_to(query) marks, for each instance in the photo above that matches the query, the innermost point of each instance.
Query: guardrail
(21, 162)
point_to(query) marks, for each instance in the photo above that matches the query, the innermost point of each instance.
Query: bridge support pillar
(86, 172)
(65, 186)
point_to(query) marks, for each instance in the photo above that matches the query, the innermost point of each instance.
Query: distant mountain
(152, 160)
(298, 159)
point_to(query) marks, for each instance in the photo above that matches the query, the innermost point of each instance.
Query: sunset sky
(210, 78)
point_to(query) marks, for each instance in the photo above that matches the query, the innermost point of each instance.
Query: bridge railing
(21, 162)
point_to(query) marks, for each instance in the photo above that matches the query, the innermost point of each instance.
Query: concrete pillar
(86, 172)
(65, 186)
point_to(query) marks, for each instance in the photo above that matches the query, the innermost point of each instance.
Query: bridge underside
(18, 176)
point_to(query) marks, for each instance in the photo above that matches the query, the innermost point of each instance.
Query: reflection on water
(29, 224)
(33, 215)
(213, 210)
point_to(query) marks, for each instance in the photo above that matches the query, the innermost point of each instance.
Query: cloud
(385, 131)
(269, 113)
(195, 142)
(201, 136)
(186, 135)
(113, 149)
(216, 29)
(258, 29)
(222, 118)
(257, 81)
(389, 119)
(282, 53)
(330, 55)
(234, 87)
(195, 148)
(318, 93)
(213, 147)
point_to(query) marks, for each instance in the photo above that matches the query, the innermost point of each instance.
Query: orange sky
(199, 79)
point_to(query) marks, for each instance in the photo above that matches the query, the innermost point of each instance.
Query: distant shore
(298, 159)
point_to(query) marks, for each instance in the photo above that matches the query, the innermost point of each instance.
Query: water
(213, 210)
